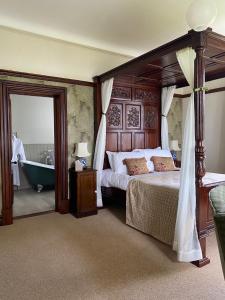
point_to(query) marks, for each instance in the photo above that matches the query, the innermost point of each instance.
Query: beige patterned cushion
(162, 164)
(136, 166)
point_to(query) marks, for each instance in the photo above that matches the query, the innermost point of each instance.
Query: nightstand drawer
(82, 192)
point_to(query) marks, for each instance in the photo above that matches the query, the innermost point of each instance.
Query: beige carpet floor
(98, 257)
(28, 202)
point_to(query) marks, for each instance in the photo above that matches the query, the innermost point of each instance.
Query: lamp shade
(81, 150)
(174, 145)
(201, 14)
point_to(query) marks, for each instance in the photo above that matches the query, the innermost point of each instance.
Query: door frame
(59, 96)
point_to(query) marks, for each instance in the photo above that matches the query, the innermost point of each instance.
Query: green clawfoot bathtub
(40, 176)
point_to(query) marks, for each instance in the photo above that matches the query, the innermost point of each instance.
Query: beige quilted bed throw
(152, 209)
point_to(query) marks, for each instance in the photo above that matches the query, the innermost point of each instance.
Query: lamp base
(83, 161)
(174, 154)
(78, 166)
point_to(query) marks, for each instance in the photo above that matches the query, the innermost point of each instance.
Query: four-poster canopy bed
(134, 115)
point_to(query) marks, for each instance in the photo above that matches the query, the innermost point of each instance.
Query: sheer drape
(106, 91)
(167, 97)
(186, 241)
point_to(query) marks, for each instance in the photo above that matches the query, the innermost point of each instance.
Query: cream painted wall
(214, 131)
(27, 52)
(33, 119)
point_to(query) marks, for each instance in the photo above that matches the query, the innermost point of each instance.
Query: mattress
(166, 179)
(112, 179)
(121, 181)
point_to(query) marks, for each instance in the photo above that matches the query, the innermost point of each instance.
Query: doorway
(33, 155)
(58, 96)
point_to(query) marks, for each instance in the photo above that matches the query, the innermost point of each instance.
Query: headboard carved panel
(115, 116)
(150, 117)
(119, 92)
(133, 118)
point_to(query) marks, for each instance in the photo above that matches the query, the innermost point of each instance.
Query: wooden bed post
(201, 199)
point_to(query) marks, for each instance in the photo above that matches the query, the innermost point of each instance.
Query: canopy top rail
(160, 67)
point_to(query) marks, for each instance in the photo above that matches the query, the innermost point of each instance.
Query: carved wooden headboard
(133, 118)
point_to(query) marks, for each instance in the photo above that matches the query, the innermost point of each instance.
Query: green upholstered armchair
(217, 199)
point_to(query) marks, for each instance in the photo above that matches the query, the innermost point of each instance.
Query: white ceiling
(128, 27)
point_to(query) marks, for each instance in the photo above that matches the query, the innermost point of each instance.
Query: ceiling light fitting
(201, 14)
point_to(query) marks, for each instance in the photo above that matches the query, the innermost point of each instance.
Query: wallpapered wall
(80, 115)
(175, 120)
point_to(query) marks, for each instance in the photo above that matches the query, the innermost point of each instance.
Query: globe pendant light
(201, 14)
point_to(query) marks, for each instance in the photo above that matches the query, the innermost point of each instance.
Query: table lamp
(82, 152)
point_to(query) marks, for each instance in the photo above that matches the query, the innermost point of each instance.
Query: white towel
(17, 149)
(17, 154)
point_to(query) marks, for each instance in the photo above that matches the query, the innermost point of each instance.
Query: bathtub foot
(39, 188)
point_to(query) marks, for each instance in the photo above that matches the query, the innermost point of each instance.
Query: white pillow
(159, 152)
(157, 148)
(150, 166)
(118, 157)
(110, 158)
(155, 152)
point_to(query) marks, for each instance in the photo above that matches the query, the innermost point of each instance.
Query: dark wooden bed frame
(134, 114)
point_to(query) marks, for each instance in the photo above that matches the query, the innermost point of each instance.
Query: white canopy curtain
(106, 91)
(167, 97)
(186, 241)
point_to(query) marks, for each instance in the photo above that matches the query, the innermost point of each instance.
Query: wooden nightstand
(82, 192)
